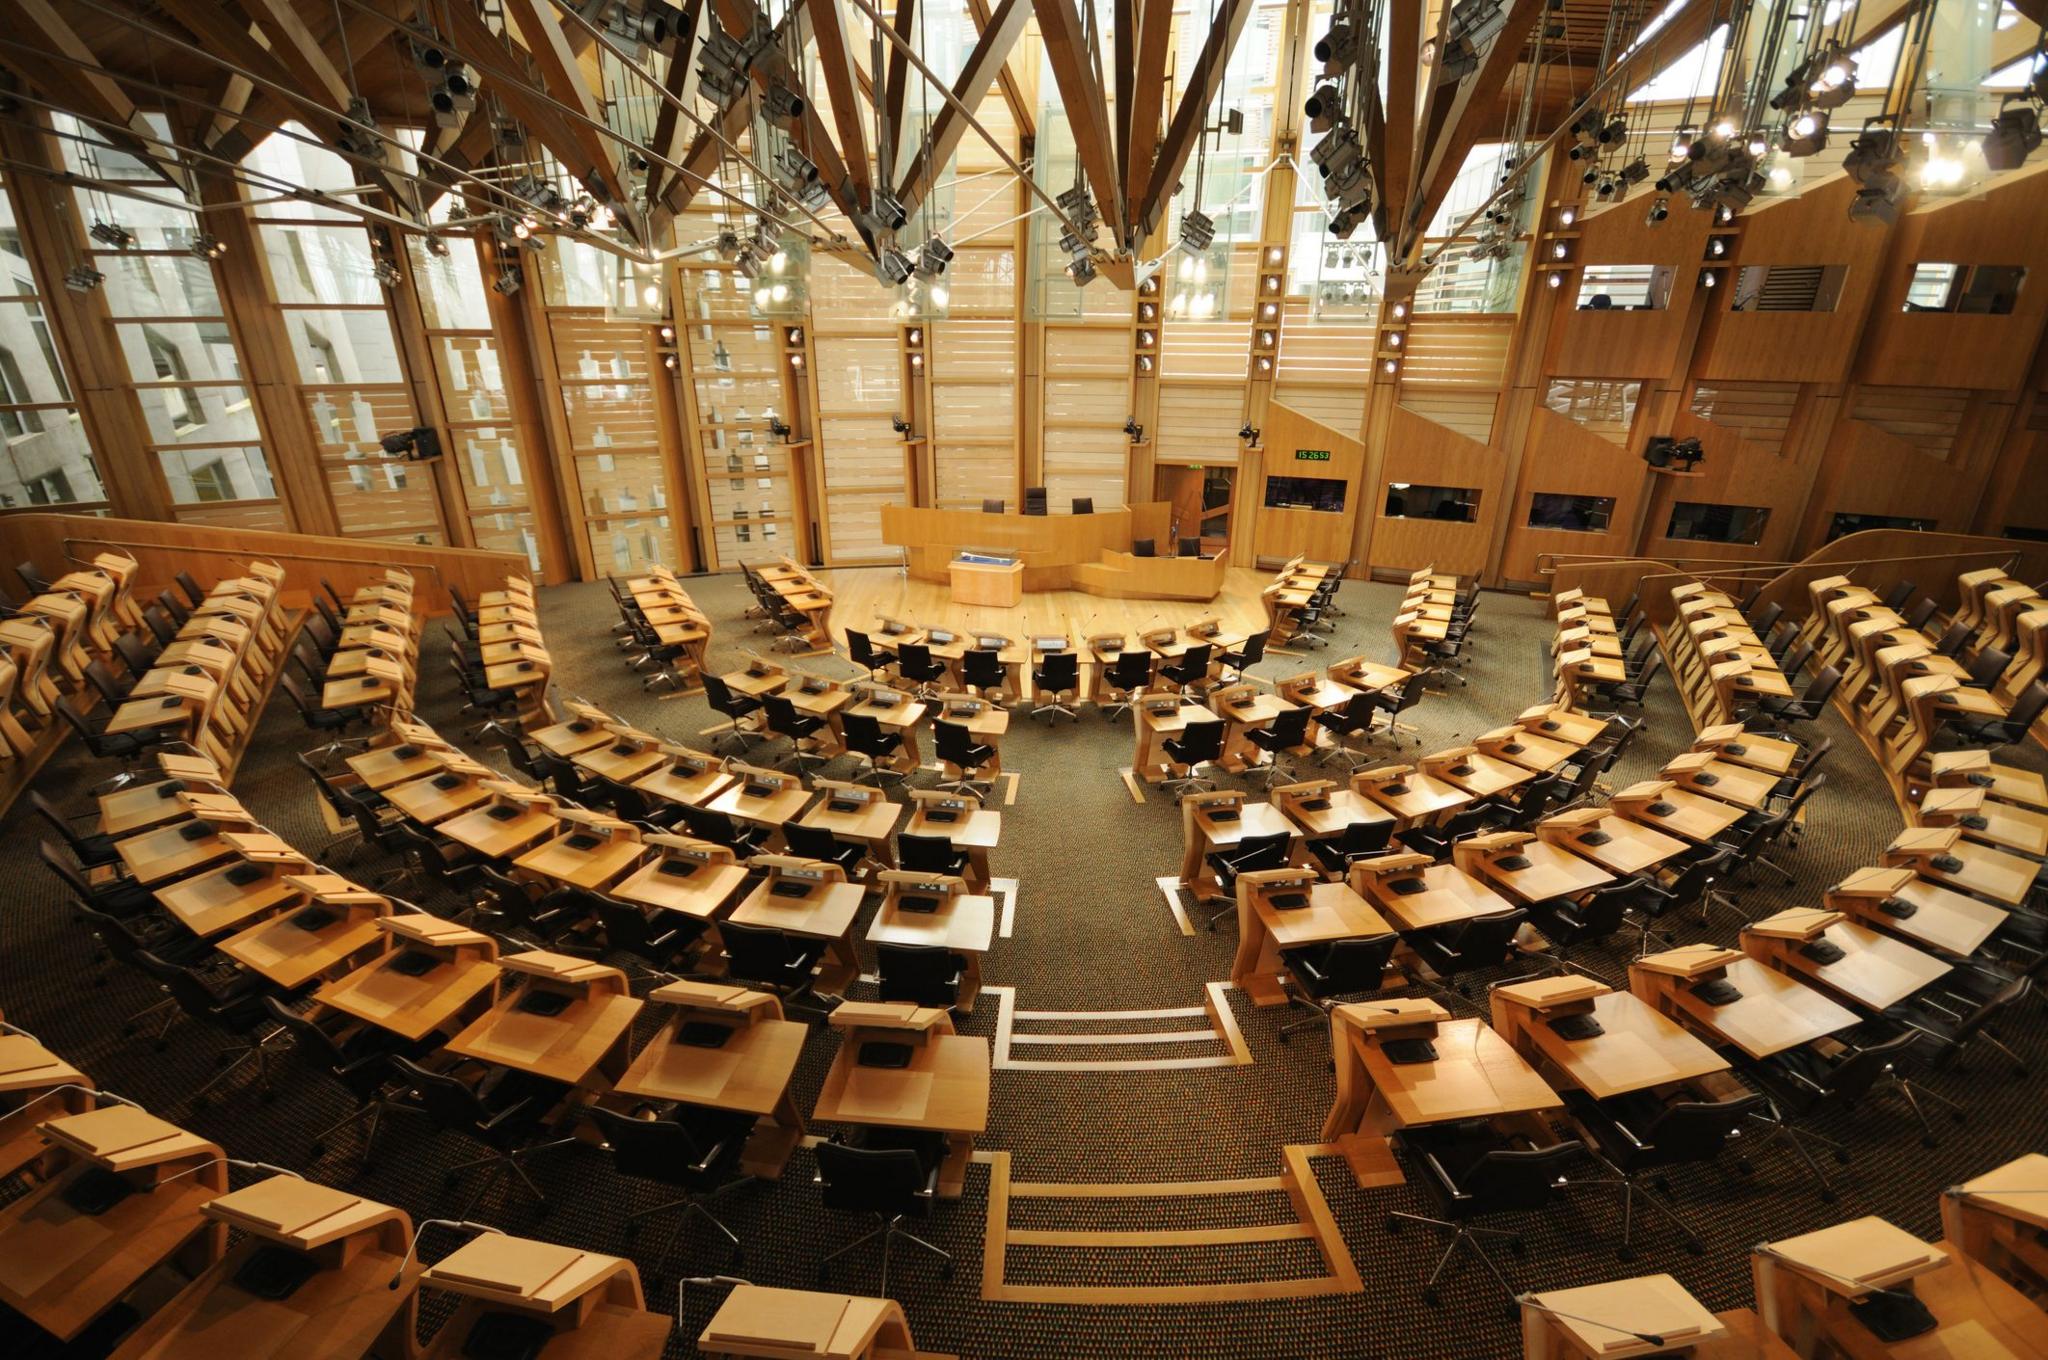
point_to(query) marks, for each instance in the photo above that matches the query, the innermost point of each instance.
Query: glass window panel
(321, 264)
(350, 424)
(157, 285)
(46, 459)
(179, 351)
(625, 547)
(1455, 504)
(29, 371)
(1711, 523)
(343, 347)
(734, 399)
(511, 533)
(607, 415)
(588, 346)
(489, 464)
(621, 483)
(287, 163)
(205, 476)
(198, 415)
(472, 378)
(267, 515)
(1578, 514)
(451, 286)
(751, 497)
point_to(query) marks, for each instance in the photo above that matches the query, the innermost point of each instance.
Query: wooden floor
(863, 596)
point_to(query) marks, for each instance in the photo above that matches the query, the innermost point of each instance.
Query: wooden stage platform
(863, 596)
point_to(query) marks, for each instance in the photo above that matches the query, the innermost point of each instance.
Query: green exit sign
(1312, 455)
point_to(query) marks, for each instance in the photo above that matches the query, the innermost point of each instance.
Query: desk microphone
(1647, 1338)
(412, 1247)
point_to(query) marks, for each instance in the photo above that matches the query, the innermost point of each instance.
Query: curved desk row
(1123, 575)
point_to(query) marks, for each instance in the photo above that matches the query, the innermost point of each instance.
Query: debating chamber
(804, 679)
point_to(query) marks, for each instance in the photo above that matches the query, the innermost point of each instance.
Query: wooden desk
(388, 995)
(1727, 781)
(437, 797)
(825, 913)
(1528, 749)
(777, 1324)
(786, 804)
(1051, 546)
(1221, 822)
(1449, 895)
(595, 1300)
(677, 782)
(871, 825)
(571, 858)
(290, 955)
(1342, 809)
(1875, 971)
(1332, 912)
(995, 585)
(1997, 1218)
(345, 1309)
(61, 1268)
(32, 1081)
(1616, 844)
(945, 1089)
(1561, 724)
(1639, 1050)
(964, 923)
(1480, 774)
(1989, 873)
(1774, 1013)
(587, 1038)
(140, 807)
(1977, 1314)
(1413, 798)
(1696, 818)
(702, 893)
(566, 739)
(620, 761)
(749, 1073)
(389, 765)
(1476, 1075)
(1550, 873)
(1649, 1305)
(215, 902)
(978, 832)
(2004, 826)
(172, 851)
(500, 837)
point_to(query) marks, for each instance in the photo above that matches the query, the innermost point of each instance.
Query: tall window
(45, 459)
(352, 391)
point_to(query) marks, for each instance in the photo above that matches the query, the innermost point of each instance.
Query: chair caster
(198, 1103)
(1393, 1225)
(632, 1230)
(1282, 1036)
(449, 1182)
(1431, 1297)
(1625, 1255)
(824, 1276)
(946, 1270)
(1928, 1141)
(220, 1060)
(1745, 1166)
(1663, 1183)
(543, 1209)
(1842, 1156)
(1696, 1247)
(1519, 1247)
(160, 1045)
(1827, 1196)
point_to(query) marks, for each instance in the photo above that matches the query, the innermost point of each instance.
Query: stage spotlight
(1660, 208)
(1807, 133)
(2014, 134)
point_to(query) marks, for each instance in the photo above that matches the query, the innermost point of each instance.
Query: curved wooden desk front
(1051, 546)
(1126, 576)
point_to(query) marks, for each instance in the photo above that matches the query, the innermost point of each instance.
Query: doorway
(1202, 499)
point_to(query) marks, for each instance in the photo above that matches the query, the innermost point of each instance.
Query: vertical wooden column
(1276, 236)
(807, 498)
(263, 343)
(520, 325)
(422, 378)
(103, 390)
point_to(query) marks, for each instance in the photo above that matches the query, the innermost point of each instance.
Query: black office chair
(1396, 700)
(736, 706)
(861, 650)
(32, 577)
(1285, 734)
(1953, 640)
(1190, 668)
(815, 842)
(1084, 505)
(914, 663)
(232, 1006)
(1127, 677)
(2013, 727)
(1322, 976)
(1475, 1171)
(1360, 840)
(1896, 597)
(1188, 547)
(1922, 611)
(1986, 667)
(930, 854)
(137, 653)
(1056, 674)
(361, 1066)
(1595, 917)
(1469, 946)
(692, 1149)
(335, 721)
(991, 506)
(122, 896)
(160, 624)
(1807, 1085)
(982, 671)
(1196, 746)
(660, 942)
(1987, 993)
(1810, 703)
(509, 908)
(93, 849)
(957, 747)
(744, 839)
(924, 975)
(493, 1112)
(173, 606)
(1632, 692)
(1034, 500)
(1641, 1133)
(1248, 654)
(1249, 855)
(1144, 547)
(784, 963)
(1436, 841)
(891, 1183)
(866, 737)
(784, 720)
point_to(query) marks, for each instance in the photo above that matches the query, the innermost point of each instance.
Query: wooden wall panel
(1870, 471)
(211, 554)
(1735, 472)
(1564, 457)
(1282, 533)
(1818, 347)
(1999, 225)
(1423, 452)
(1622, 344)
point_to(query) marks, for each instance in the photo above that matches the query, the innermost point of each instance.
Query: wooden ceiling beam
(1453, 127)
(1198, 90)
(741, 19)
(79, 81)
(1021, 111)
(700, 163)
(671, 130)
(1080, 86)
(1395, 161)
(991, 53)
(1154, 43)
(896, 91)
(842, 86)
(592, 155)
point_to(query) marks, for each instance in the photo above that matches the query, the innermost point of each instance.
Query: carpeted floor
(1091, 933)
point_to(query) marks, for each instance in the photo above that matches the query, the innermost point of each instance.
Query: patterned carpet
(1091, 933)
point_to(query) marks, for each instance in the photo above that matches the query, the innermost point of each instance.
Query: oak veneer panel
(2000, 225)
(1321, 535)
(1735, 472)
(1422, 452)
(1624, 344)
(1564, 457)
(1812, 228)
(1870, 471)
